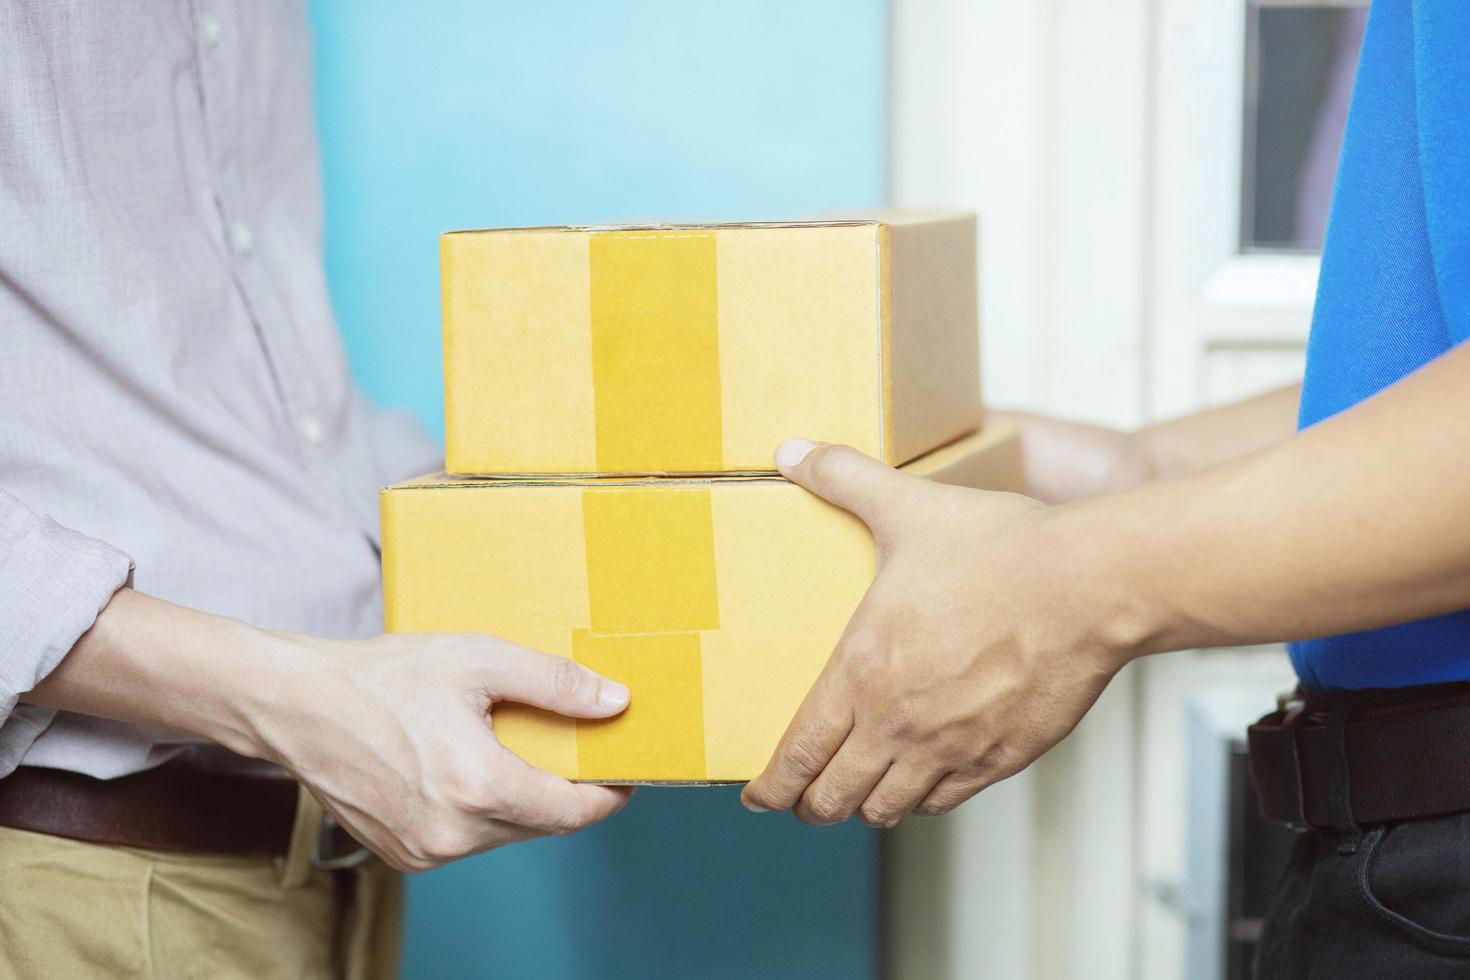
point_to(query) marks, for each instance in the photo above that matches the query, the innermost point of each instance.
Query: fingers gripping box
(716, 600)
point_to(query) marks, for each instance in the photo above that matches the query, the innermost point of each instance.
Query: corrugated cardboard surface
(928, 261)
(698, 349)
(716, 600)
(932, 295)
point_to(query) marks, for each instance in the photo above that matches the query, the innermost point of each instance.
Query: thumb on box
(557, 684)
(841, 475)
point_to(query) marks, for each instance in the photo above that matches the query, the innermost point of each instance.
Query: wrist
(262, 683)
(1108, 613)
(152, 663)
(218, 678)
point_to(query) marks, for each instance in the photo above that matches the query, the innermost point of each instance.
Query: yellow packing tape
(655, 350)
(662, 729)
(651, 587)
(650, 559)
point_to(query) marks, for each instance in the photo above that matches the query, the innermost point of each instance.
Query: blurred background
(1153, 179)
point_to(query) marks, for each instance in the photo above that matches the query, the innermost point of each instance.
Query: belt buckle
(322, 856)
(1291, 701)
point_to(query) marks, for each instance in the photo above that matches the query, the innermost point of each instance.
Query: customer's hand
(963, 663)
(395, 737)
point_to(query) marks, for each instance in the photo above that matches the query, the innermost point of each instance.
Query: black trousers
(1394, 903)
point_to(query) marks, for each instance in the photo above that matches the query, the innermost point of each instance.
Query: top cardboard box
(695, 349)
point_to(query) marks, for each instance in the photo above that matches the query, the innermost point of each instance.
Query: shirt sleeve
(53, 583)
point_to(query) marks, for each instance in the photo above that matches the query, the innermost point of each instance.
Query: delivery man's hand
(958, 668)
(394, 735)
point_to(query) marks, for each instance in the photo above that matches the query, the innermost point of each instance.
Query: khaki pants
(70, 909)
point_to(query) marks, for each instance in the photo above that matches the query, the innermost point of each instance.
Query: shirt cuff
(53, 583)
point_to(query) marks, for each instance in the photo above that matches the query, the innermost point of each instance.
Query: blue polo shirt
(1395, 286)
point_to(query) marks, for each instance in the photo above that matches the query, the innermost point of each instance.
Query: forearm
(1070, 461)
(150, 662)
(1194, 442)
(1354, 524)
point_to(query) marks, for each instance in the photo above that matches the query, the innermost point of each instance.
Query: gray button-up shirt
(174, 396)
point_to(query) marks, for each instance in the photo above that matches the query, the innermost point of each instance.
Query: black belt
(1345, 759)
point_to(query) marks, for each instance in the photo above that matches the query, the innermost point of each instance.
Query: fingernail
(793, 451)
(614, 695)
(753, 808)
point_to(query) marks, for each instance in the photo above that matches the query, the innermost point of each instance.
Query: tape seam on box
(651, 590)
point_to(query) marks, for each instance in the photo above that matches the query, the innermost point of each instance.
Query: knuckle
(468, 791)
(881, 816)
(864, 646)
(907, 721)
(956, 742)
(944, 800)
(800, 759)
(439, 842)
(565, 822)
(825, 464)
(563, 678)
(995, 765)
(826, 808)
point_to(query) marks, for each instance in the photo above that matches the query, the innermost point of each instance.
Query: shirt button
(209, 26)
(241, 238)
(312, 432)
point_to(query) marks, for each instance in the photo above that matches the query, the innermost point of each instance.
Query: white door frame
(1207, 296)
(1036, 114)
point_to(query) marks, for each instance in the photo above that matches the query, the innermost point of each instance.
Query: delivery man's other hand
(395, 737)
(1068, 461)
(1071, 461)
(961, 665)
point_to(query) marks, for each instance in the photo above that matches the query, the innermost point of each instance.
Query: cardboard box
(700, 348)
(716, 600)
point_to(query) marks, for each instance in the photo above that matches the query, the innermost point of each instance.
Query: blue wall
(454, 113)
(450, 113)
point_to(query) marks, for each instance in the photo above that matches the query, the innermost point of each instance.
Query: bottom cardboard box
(716, 600)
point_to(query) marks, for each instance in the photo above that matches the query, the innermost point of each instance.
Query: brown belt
(171, 808)
(1344, 760)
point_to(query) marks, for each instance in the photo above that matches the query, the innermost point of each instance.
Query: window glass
(1300, 59)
